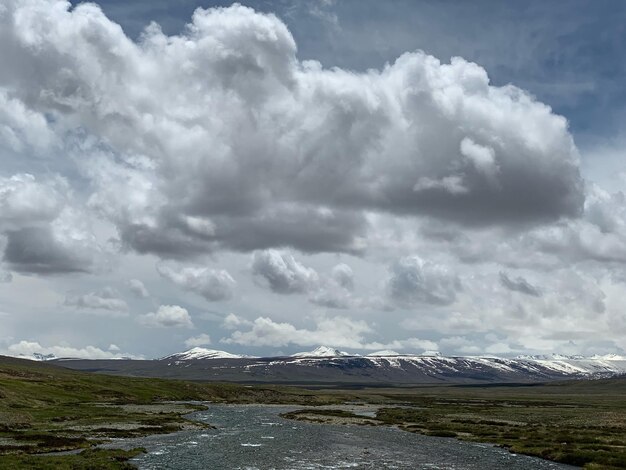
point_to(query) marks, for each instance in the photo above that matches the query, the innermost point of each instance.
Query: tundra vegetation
(46, 409)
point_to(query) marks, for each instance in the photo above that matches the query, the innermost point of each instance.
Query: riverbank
(46, 409)
(575, 423)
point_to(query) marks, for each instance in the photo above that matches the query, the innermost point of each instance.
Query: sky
(270, 176)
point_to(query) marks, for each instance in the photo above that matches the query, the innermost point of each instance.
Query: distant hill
(329, 365)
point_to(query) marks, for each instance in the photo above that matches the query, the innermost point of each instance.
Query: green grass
(578, 423)
(90, 459)
(44, 408)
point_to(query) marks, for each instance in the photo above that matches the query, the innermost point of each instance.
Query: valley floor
(46, 409)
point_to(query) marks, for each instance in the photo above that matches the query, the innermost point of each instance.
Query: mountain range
(326, 365)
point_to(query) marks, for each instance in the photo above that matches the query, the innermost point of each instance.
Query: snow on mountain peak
(203, 353)
(42, 357)
(322, 351)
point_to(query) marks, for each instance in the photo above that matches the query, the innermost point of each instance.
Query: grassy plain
(44, 408)
(580, 423)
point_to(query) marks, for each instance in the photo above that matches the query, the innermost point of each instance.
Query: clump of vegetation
(577, 423)
(90, 459)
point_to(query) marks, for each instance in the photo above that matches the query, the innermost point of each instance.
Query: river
(250, 437)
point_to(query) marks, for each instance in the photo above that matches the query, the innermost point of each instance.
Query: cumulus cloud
(414, 280)
(44, 232)
(137, 287)
(24, 201)
(29, 348)
(343, 275)
(299, 154)
(519, 284)
(282, 273)
(23, 131)
(200, 340)
(338, 331)
(104, 299)
(232, 322)
(213, 285)
(168, 316)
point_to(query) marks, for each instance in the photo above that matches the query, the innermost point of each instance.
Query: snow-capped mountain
(323, 351)
(42, 357)
(330, 365)
(202, 353)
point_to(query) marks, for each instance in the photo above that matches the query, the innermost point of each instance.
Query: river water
(252, 437)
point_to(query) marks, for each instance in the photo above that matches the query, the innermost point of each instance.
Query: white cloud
(45, 232)
(232, 322)
(414, 280)
(138, 288)
(28, 348)
(336, 331)
(282, 273)
(168, 316)
(213, 285)
(418, 157)
(299, 154)
(200, 340)
(344, 276)
(24, 201)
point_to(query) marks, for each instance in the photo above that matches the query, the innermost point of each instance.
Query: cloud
(137, 287)
(28, 348)
(200, 340)
(282, 273)
(45, 233)
(104, 299)
(24, 201)
(519, 284)
(337, 331)
(336, 291)
(5, 276)
(232, 322)
(413, 280)
(343, 276)
(168, 316)
(213, 285)
(298, 155)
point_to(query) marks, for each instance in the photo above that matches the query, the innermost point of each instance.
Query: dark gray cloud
(519, 284)
(36, 250)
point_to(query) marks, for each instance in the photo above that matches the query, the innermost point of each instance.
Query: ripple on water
(314, 446)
